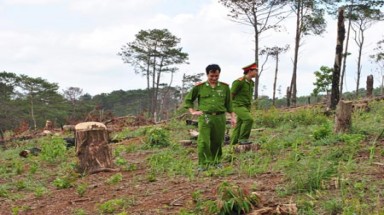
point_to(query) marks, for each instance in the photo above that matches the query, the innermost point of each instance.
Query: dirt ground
(163, 196)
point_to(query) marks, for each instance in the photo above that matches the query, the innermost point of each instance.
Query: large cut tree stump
(343, 118)
(92, 148)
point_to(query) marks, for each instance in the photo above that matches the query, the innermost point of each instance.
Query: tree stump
(48, 125)
(343, 118)
(369, 86)
(92, 148)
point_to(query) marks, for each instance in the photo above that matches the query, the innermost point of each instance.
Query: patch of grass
(158, 136)
(307, 173)
(33, 167)
(18, 167)
(79, 211)
(232, 198)
(20, 185)
(53, 150)
(120, 161)
(19, 209)
(81, 189)
(4, 191)
(115, 179)
(322, 131)
(252, 164)
(116, 205)
(173, 161)
(40, 191)
(63, 182)
(333, 206)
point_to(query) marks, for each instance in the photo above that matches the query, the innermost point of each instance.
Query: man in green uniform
(242, 91)
(214, 99)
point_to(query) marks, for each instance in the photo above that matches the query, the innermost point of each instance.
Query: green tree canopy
(323, 80)
(153, 53)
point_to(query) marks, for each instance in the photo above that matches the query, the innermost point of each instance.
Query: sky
(74, 43)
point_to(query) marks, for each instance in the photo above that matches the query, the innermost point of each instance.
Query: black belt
(214, 113)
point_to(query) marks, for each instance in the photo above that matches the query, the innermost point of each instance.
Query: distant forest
(32, 101)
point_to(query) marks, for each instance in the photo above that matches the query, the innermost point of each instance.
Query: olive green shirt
(217, 99)
(242, 91)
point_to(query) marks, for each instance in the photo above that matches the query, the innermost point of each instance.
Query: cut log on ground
(92, 148)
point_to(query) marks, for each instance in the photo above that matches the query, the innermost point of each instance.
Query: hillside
(301, 165)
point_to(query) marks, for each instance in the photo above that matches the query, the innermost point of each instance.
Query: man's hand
(233, 119)
(195, 112)
(233, 122)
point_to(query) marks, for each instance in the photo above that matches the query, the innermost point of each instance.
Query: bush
(234, 199)
(158, 137)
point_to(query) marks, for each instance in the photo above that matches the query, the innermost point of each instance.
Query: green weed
(53, 150)
(115, 205)
(4, 191)
(20, 185)
(18, 167)
(322, 131)
(40, 191)
(79, 211)
(307, 174)
(62, 183)
(120, 161)
(174, 161)
(81, 189)
(158, 137)
(333, 206)
(115, 179)
(234, 199)
(34, 166)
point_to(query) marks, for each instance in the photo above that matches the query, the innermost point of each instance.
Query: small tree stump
(343, 118)
(92, 148)
(369, 86)
(48, 125)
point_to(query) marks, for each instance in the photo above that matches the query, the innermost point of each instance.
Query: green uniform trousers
(244, 123)
(210, 139)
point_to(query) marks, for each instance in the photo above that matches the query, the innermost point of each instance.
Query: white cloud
(30, 2)
(111, 7)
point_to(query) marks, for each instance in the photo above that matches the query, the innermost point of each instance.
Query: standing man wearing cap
(214, 99)
(242, 91)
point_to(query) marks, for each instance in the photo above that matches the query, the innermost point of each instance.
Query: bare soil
(164, 196)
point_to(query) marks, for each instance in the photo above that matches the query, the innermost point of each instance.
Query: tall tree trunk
(275, 80)
(346, 50)
(288, 97)
(335, 94)
(257, 78)
(382, 85)
(359, 66)
(148, 86)
(152, 110)
(33, 113)
(293, 86)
